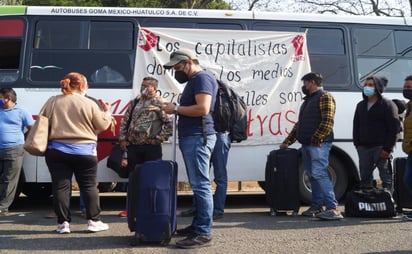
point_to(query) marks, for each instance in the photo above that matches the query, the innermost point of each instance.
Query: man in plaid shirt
(314, 130)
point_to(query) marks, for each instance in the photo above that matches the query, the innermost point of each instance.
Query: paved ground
(246, 228)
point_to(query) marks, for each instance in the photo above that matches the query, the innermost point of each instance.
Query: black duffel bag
(369, 203)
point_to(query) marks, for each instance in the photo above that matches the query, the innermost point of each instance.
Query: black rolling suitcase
(152, 199)
(282, 181)
(402, 198)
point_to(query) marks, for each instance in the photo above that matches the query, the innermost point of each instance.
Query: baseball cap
(178, 56)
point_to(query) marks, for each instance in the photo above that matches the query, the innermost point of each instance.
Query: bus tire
(337, 173)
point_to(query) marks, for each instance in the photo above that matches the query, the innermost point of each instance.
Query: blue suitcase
(151, 201)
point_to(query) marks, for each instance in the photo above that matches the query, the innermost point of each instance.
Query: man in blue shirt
(13, 121)
(197, 138)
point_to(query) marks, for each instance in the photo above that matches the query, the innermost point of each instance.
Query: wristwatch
(175, 109)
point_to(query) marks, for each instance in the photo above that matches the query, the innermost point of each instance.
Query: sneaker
(96, 226)
(187, 231)
(63, 228)
(407, 216)
(195, 241)
(123, 214)
(4, 212)
(409, 213)
(312, 211)
(217, 216)
(188, 213)
(330, 214)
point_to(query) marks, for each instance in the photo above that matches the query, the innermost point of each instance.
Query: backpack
(230, 113)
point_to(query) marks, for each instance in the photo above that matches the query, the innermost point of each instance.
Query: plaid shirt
(327, 107)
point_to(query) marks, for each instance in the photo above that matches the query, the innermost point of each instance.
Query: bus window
(111, 35)
(102, 51)
(403, 43)
(328, 55)
(383, 52)
(58, 35)
(11, 33)
(327, 52)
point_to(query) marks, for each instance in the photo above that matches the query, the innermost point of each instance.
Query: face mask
(305, 91)
(143, 90)
(407, 93)
(181, 77)
(368, 91)
(2, 103)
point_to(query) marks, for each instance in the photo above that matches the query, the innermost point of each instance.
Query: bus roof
(200, 13)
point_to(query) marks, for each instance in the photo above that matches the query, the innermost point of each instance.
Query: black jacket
(378, 126)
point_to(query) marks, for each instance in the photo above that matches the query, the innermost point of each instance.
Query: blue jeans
(219, 161)
(196, 156)
(407, 177)
(316, 162)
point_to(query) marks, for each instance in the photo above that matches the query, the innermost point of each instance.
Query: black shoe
(187, 231)
(188, 213)
(195, 241)
(217, 216)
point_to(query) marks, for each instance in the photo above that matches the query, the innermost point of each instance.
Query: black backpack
(230, 113)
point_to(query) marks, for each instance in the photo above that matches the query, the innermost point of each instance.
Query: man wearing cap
(375, 129)
(197, 138)
(314, 130)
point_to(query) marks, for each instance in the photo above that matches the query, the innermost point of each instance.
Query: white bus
(39, 45)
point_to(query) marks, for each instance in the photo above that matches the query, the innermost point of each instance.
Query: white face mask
(143, 90)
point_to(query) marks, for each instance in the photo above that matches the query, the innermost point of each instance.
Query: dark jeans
(137, 154)
(11, 160)
(369, 159)
(62, 166)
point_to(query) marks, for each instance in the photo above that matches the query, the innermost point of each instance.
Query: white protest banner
(265, 68)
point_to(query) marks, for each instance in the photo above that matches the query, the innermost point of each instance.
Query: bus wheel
(106, 187)
(37, 190)
(337, 174)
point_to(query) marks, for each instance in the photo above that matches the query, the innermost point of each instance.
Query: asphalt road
(245, 228)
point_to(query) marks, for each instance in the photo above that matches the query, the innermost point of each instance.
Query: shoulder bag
(38, 136)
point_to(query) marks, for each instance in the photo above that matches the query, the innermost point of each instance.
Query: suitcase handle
(153, 194)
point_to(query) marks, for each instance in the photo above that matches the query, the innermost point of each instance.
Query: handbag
(369, 203)
(114, 162)
(38, 136)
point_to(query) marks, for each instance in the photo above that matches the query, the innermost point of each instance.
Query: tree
(191, 4)
(352, 7)
(10, 2)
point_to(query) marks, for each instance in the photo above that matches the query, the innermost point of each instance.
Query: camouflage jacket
(148, 125)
